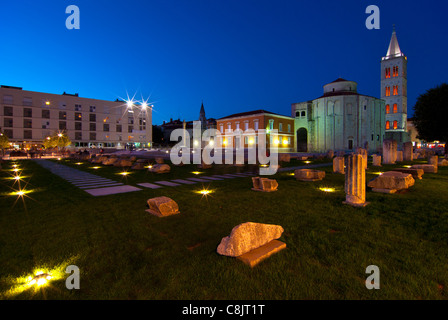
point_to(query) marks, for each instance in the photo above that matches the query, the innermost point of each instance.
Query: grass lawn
(125, 253)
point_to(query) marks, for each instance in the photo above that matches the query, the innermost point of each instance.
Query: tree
(431, 115)
(58, 139)
(4, 142)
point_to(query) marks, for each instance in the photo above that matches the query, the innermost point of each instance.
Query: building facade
(29, 117)
(249, 123)
(394, 90)
(340, 120)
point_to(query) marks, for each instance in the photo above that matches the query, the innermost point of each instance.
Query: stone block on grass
(162, 207)
(309, 174)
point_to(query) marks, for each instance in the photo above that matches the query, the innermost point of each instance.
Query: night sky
(234, 55)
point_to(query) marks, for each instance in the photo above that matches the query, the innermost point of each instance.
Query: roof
(339, 80)
(250, 113)
(394, 48)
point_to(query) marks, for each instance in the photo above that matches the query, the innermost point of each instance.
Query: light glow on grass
(307, 162)
(196, 172)
(20, 193)
(125, 173)
(325, 189)
(78, 163)
(95, 168)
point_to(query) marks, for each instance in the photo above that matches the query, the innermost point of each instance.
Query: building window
(221, 128)
(387, 108)
(387, 73)
(395, 124)
(7, 122)
(387, 91)
(27, 102)
(395, 108)
(303, 114)
(78, 107)
(131, 120)
(92, 127)
(92, 108)
(62, 115)
(62, 125)
(45, 124)
(387, 125)
(271, 124)
(297, 114)
(78, 116)
(130, 129)
(46, 114)
(8, 99)
(106, 127)
(289, 128)
(28, 134)
(256, 125)
(78, 135)
(27, 123)
(8, 133)
(78, 125)
(92, 117)
(229, 126)
(237, 125)
(246, 125)
(395, 74)
(119, 128)
(92, 136)
(7, 111)
(27, 112)
(280, 127)
(395, 90)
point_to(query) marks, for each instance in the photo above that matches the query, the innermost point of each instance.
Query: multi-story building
(29, 117)
(394, 90)
(249, 123)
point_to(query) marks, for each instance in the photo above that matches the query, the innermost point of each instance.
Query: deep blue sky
(235, 55)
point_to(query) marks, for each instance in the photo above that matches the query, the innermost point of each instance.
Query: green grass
(125, 253)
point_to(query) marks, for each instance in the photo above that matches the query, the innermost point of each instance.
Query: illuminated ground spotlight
(78, 163)
(124, 173)
(20, 193)
(326, 189)
(95, 168)
(204, 192)
(196, 172)
(307, 162)
(40, 279)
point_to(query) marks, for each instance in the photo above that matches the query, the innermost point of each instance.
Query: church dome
(340, 86)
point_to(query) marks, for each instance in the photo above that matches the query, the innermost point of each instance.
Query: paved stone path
(99, 186)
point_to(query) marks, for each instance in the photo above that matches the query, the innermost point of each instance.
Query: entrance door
(302, 140)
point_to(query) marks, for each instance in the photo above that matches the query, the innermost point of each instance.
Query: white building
(340, 120)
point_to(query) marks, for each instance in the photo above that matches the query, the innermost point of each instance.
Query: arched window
(387, 91)
(395, 90)
(395, 108)
(387, 108)
(387, 73)
(387, 125)
(395, 124)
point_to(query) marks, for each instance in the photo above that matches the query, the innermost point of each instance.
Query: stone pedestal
(355, 181)
(389, 151)
(434, 160)
(309, 174)
(408, 154)
(376, 160)
(338, 165)
(364, 154)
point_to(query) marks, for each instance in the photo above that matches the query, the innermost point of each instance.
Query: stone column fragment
(355, 181)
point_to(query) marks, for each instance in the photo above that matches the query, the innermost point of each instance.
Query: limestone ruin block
(389, 151)
(309, 174)
(110, 161)
(264, 184)
(391, 181)
(159, 168)
(284, 157)
(416, 173)
(248, 236)
(338, 165)
(443, 163)
(408, 151)
(162, 206)
(123, 163)
(399, 156)
(355, 181)
(376, 159)
(427, 168)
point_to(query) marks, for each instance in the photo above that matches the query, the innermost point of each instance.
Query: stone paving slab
(112, 190)
(149, 185)
(167, 183)
(211, 178)
(183, 181)
(198, 180)
(102, 186)
(224, 177)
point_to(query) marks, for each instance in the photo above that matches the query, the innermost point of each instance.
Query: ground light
(204, 192)
(307, 162)
(325, 189)
(196, 172)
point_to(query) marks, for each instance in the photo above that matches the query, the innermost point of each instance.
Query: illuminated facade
(28, 117)
(249, 123)
(340, 120)
(394, 91)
